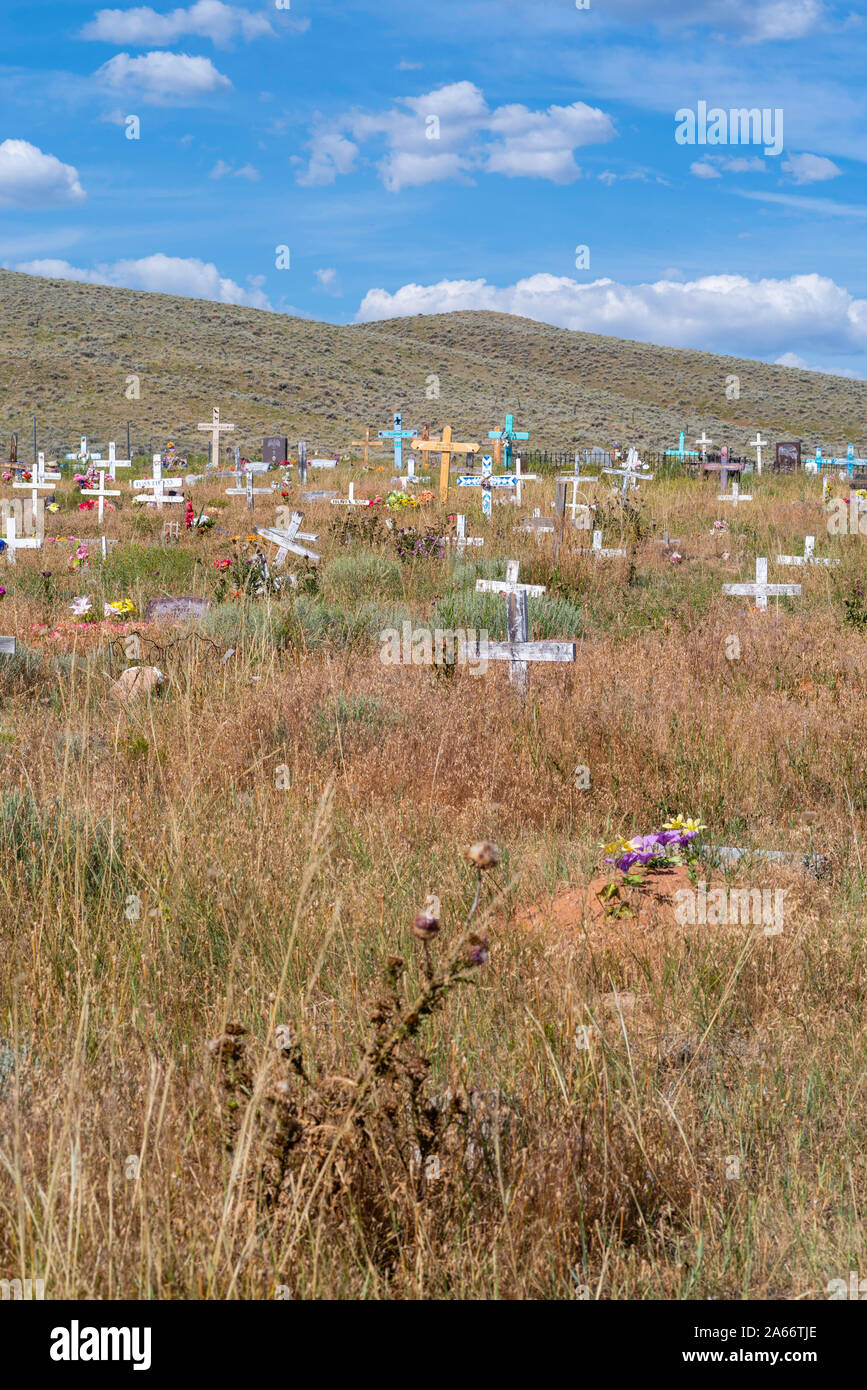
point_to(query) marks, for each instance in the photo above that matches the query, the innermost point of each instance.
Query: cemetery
(452, 849)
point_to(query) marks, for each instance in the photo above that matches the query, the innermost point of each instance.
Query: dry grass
(161, 882)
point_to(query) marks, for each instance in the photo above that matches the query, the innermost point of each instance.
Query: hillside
(67, 351)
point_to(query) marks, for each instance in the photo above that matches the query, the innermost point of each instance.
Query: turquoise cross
(507, 436)
(398, 435)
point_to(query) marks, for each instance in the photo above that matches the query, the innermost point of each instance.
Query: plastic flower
(685, 823)
(53, 507)
(120, 607)
(2, 591)
(80, 607)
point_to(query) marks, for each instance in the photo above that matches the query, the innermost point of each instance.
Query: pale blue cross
(398, 435)
(848, 462)
(506, 436)
(487, 480)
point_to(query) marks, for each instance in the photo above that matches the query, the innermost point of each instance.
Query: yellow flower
(683, 823)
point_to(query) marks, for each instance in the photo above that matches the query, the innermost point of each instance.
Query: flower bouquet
(675, 843)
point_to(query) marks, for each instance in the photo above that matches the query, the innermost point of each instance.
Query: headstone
(179, 606)
(275, 449)
(788, 456)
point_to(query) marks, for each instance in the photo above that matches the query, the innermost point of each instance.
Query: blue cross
(507, 435)
(848, 462)
(398, 435)
(487, 480)
(680, 452)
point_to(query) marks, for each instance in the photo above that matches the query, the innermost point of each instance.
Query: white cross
(704, 441)
(596, 549)
(159, 484)
(13, 544)
(735, 496)
(537, 523)
(761, 589)
(351, 500)
(248, 490)
(758, 444)
(33, 488)
(214, 429)
(101, 492)
(510, 584)
(287, 540)
(574, 505)
(630, 473)
(808, 557)
(487, 480)
(518, 650)
(82, 452)
(40, 473)
(114, 462)
(462, 540)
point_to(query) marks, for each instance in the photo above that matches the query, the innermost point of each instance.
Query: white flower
(80, 606)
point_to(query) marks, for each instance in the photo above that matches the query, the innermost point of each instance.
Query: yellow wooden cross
(367, 443)
(445, 447)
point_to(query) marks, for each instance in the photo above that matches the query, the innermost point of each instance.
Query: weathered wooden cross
(445, 447)
(462, 540)
(735, 495)
(487, 480)
(41, 474)
(248, 490)
(630, 473)
(367, 443)
(518, 650)
(398, 434)
(351, 500)
(287, 540)
(33, 488)
(761, 590)
(808, 557)
(215, 429)
(597, 550)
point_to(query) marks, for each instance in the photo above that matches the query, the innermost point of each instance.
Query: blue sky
(419, 158)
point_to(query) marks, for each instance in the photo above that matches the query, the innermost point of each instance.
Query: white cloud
(720, 313)
(406, 66)
(810, 168)
(221, 169)
(329, 281)
(711, 165)
(791, 359)
(165, 79)
(31, 179)
(754, 21)
(207, 19)
(181, 275)
(450, 133)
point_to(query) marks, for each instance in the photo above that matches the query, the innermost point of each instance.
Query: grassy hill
(68, 352)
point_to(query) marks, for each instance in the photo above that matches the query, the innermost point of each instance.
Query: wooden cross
(13, 544)
(761, 589)
(7, 646)
(487, 480)
(630, 474)
(510, 584)
(159, 485)
(41, 474)
(597, 550)
(518, 650)
(445, 447)
(680, 452)
(808, 557)
(248, 490)
(82, 452)
(368, 445)
(704, 441)
(758, 444)
(113, 462)
(214, 429)
(506, 437)
(574, 505)
(462, 540)
(33, 488)
(101, 492)
(537, 524)
(398, 435)
(286, 540)
(735, 496)
(351, 500)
